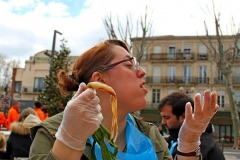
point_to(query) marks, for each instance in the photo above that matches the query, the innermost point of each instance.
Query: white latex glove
(196, 123)
(81, 118)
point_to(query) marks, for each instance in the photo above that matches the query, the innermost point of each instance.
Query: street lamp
(53, 49)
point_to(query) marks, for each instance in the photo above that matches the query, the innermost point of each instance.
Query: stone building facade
(183, 63)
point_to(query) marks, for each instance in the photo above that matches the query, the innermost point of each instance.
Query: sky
(27, 26)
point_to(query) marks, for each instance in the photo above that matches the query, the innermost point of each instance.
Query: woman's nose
(141, 72)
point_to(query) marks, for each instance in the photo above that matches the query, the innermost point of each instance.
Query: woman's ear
(97, 77)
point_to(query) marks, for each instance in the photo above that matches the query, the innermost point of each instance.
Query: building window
(238, 53)
(187, 74)
(171, 52)
(157, 49)
(221, 99)
(220, 78)
(144, 53)
(156, 74)
(236, 75)
(187, 52)
(18, 85)
(237, 96)
(155, 97)
(39, 84)
(171, 74)
(220, 55)
(202, 50)
(203, 74)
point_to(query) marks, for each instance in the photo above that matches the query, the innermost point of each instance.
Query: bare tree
(8, 73)
(225, 59)
(2, 64)
(126, 32)
(6, 69)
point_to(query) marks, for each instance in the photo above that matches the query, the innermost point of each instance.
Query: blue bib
(139, 146)
(173, 146)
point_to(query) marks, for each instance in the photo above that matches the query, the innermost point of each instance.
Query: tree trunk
(234, 111)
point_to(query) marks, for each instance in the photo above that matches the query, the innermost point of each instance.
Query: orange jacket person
(45, 111)
(3, 121)
(13, 113)
(37, 107)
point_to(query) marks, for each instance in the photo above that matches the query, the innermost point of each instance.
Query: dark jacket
(44, 137)
(19, 141)
(209, 147)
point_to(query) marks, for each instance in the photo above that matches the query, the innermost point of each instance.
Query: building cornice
(172, 37)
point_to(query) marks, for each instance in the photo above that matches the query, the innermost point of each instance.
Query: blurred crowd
(17, 141)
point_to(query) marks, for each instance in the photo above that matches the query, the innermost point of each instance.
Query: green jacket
(43, 136)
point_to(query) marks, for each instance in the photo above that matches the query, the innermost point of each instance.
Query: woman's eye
(129, 65)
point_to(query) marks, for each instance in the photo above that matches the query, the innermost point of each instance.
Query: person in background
(3, 142)
(5, 104)
(3, 121)
(45, 111)
(68, 135)
(13, 113)
(38, 109)
(19, 141)
(172, 110)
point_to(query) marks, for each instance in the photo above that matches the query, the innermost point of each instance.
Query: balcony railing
(202, 56)
(30, 89)
(172, 56)
(180, 56)
(219, 81)
(176, 80)
(236, 80)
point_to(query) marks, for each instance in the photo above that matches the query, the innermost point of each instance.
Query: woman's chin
(140, 106)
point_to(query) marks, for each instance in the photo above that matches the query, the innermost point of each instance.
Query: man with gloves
(172, 110)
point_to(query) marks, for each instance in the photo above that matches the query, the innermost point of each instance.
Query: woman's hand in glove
(81, 118)
(196, 123)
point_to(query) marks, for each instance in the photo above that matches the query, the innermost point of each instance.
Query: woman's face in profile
(126, 81)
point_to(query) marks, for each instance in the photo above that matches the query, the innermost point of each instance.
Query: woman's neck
(106, 105)
(121, 121)
(121, 135)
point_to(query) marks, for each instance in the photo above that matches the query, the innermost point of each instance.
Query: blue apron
(139, 146)
(173, 146)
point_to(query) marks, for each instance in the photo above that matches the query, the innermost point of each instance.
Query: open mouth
(142, 86)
